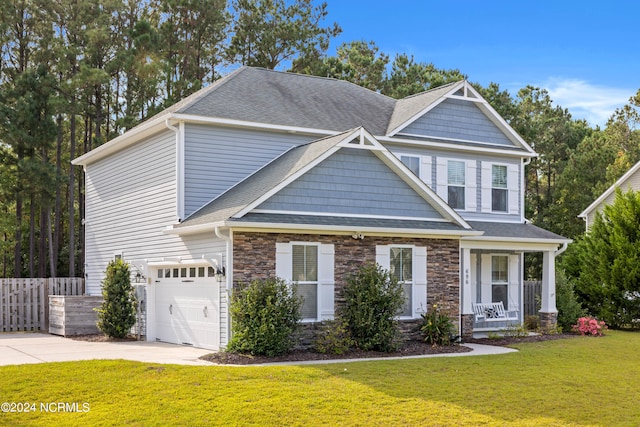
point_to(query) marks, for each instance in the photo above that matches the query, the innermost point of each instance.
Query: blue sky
(585, 53)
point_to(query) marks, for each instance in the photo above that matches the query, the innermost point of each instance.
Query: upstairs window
(456, 184)
(401, 267)
(499, 188)
(305, 274)
(412, 162)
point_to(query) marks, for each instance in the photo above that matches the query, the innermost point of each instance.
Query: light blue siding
(218, 158)
(352, 182)
(478, 214)
(457, 119)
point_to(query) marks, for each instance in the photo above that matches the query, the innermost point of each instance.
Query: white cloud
(584, 100)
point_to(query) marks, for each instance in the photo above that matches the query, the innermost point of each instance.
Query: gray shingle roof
(288, 99)
(349, 222)
(520, 231)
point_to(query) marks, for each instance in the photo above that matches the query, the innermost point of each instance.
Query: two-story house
(268, 173)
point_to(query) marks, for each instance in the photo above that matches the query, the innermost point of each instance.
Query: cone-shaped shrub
(117, 314)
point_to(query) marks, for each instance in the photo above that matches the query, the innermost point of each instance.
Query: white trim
(526, 245)
(427, 142)
(343, 215)
(180, 171)
(191, 118)
(458, 140)
(125, 140)
(609, 191)
(349, 229)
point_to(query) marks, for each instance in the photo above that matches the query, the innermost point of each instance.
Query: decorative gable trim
(465, 91)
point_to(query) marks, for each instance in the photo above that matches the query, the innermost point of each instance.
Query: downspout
(523, 188)
(562, 249)
(229, 276)
(179, 168)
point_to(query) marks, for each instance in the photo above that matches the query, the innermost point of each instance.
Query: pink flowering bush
(590, 326)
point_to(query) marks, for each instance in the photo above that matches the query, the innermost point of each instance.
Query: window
(499, 280)
(499, 188)
(456, 183)
(412, 163)
(305, 274)
(401, 267)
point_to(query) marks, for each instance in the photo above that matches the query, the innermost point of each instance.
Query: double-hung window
(305, 274)
(500, 279)
(499, 189)
(401, 267)
(456, 183)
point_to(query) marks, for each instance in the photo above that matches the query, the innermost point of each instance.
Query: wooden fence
(24, 303)
(532, 292)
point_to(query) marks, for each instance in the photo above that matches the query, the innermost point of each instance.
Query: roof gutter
(562, 249)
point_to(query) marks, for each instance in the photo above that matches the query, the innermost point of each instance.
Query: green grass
(581, 381)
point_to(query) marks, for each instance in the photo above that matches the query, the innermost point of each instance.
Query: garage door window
(184, 272)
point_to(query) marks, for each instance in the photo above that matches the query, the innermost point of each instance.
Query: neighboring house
(267, 173)
(628, 181)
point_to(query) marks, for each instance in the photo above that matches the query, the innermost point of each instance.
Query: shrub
(373, 299)
(333, 337)
(590, 326)
(569, 309)
(532, 322)
(117, 313)
(264, 314)
(516, 331)
(437, 327)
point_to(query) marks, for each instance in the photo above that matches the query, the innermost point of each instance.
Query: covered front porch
(492, 277)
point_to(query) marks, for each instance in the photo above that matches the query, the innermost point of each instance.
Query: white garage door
(187, 307)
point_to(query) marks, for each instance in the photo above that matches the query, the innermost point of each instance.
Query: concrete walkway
(24, 348)
(28, 347)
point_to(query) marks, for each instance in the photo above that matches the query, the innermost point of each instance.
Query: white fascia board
(191, 229)
(125, 140)
(453, 146)
(609, 191)
(191, 118)
(149, 127)
(343, 229)
(517, 244)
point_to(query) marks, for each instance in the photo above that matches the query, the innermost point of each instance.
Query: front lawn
(581, 381)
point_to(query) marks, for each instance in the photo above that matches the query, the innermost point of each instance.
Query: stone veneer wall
(254, 258)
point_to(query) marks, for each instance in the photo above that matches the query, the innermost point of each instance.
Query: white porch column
(548, 283)
(466, 295)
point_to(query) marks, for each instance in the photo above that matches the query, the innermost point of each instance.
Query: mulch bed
(410, 348)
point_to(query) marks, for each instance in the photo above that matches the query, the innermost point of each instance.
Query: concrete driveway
(29, 347)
